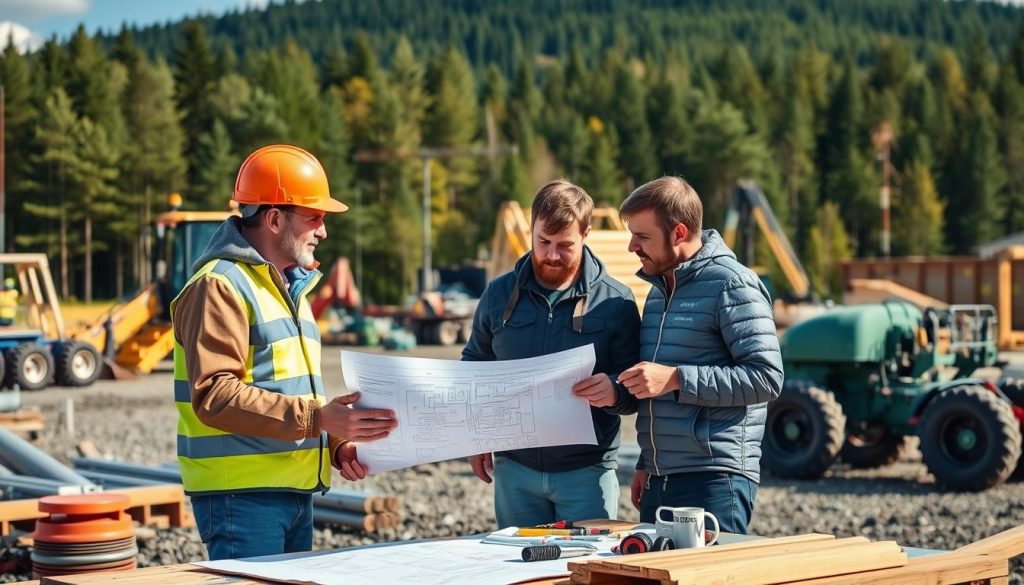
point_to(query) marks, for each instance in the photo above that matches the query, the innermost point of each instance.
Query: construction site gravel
(134, 421)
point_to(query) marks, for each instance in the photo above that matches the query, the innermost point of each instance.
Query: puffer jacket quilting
(720, 333)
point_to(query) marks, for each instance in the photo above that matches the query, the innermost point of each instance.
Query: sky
(33, 21)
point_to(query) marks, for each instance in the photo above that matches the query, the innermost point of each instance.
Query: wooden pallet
(25, 422)
(159, 506)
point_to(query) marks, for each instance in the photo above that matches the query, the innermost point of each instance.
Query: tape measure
(639, 542)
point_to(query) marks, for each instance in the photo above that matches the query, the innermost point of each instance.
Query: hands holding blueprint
(449, 409)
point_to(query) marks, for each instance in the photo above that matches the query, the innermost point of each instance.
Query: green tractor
(860, 379)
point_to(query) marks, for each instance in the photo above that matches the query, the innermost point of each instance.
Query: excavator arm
(749, 208)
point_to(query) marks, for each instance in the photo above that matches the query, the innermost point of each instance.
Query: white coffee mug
(688, 526)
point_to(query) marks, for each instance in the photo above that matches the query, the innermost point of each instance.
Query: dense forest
(819, 101)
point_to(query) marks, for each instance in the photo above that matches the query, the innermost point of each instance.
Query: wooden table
(985, 562)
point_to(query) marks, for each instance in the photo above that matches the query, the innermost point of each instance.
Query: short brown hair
(673, 200)
(560, 203)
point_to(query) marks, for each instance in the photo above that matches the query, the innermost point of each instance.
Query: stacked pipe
(360, 509)
(21, 457)
(17, 487)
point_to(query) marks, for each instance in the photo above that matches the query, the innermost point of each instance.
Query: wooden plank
(940, 569)
(801, 565)
(667, 567)
(1005, 545)
(633, 564)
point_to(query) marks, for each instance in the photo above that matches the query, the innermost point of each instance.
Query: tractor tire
(447, 332)
(78, 364)
(871, 448)
(970, 440)
(803, 432)
(465, 330)
(29, 366)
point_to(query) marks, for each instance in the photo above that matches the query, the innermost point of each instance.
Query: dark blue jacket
(607, 316)
(717, 328)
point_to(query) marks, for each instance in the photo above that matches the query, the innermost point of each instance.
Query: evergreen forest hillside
(819, 101)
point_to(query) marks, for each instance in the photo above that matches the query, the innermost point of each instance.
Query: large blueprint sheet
(448, 409)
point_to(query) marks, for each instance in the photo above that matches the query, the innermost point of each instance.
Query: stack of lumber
(757, 562)
(809, 559)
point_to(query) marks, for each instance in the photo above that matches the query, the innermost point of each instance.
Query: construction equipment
(994, 279)
(859, 379)
(135, 334)
(37, 351)
(750, 209)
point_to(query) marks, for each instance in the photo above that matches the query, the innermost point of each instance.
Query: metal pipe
(159, 474)
(23, 458)
(351, 501)
(18, 487)
(111, 480)
(367, 522)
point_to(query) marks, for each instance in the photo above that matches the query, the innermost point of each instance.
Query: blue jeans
(730, 497)
(527, 497)
(254, 524)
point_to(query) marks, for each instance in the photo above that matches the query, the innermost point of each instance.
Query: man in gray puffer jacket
(711, 362)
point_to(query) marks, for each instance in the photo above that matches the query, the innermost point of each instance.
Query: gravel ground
(135, 421)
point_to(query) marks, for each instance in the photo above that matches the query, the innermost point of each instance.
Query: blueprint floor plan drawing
(448, 409)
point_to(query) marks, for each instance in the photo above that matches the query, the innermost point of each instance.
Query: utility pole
(882, 137)
(427, 155)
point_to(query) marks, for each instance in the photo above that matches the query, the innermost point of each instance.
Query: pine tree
(629, 116)
(19, 117)
(670, 127)
(917, 214)
(58, 157)
(1009, 103)
(94, 173)
(829, 247)
(974, 213)
(452, 120)
(598, 173)
(215, 167)
(154, 166)
(290, 78)
(194, 84)
(95, 85)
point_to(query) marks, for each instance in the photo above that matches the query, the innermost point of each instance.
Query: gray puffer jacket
(719, 331)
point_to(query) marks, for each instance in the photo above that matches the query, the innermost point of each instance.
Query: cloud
(24, 39)
(35, 10)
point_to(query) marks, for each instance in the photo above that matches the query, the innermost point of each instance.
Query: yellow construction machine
(135, 335)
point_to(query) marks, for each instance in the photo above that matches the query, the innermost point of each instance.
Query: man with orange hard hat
(256, 436)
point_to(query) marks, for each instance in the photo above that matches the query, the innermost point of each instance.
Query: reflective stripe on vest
(283, 357)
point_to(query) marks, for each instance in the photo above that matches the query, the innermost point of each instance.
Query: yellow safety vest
(283, 357)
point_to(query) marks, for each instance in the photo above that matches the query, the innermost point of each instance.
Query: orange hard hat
(284, 175)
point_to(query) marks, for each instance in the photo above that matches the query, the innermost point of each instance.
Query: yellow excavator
(135, 335)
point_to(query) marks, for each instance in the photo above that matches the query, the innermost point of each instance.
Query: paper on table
(448, 409)
(424, 563)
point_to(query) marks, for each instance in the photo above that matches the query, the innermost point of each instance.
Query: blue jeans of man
(254, 524)
(527, 497)
(729, 496)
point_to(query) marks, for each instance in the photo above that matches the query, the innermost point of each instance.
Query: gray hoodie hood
(228, 243)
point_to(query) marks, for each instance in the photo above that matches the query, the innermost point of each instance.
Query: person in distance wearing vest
(256, 436)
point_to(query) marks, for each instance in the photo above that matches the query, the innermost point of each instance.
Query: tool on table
(550, 552)
(640, 542)
(562, 531)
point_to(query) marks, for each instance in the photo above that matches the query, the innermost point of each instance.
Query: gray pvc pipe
(23, 458)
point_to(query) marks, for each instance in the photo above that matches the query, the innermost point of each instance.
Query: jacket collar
(592, 270)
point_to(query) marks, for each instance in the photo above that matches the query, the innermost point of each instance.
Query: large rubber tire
(78, 364)
(29, 366)
(871, 447)
(448, 332)
(803, 433)
(970, 440)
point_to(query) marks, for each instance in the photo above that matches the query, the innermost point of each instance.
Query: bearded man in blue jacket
(558, 297)
(710, 362)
